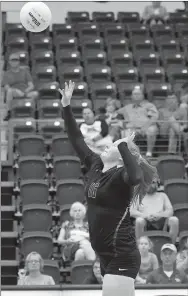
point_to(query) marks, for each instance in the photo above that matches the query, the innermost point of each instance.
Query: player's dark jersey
(108, 195)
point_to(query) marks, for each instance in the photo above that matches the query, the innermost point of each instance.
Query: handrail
(89, 287)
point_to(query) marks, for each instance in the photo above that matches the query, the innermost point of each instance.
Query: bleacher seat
(23, 127)
(49, 128)
(62, 30)
(162, 31)
(138, 32)
(177, 191)
(14, 30)
(49, 109)
(69, 191)
(128, 17)
(61, 146)
(181, 212)
(153, 75)
(126, 75)
(117, 46)
(170, 47)
(152, 60)
(51, 268)
(95, 59)
(34, 192)
(37, 241)
(43, 74)
(31, 145)
(178, 18)
(77, 17)
(74, 73)
(31, 167)
(121, 60)
(22, 108)
(16, 44)
(177, 60)
(80, 270)
(41, 43)
(170, 167)
(42, 58)
(103, 17)
(66, 59)
(113, 32)
(98, 74)
(92, 45)
(66, 44)
(87, 31)
(37, 217)
(182, 238)
(49, 90)
(66, 167)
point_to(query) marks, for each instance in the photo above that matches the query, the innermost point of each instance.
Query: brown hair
(149, 173)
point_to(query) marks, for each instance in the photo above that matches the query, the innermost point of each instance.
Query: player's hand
(129, 138)
(67, 93)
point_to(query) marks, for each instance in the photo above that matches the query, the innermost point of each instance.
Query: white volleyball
(35, 16)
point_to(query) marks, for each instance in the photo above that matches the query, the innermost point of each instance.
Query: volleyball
(35, 16)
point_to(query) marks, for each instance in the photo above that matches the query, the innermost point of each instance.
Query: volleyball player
(113, 181)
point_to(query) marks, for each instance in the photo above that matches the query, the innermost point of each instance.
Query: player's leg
(118, 285)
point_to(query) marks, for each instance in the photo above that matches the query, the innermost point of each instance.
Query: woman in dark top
(113, 181)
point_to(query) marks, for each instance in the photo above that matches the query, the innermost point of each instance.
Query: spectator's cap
(169, 247)
(14, 56)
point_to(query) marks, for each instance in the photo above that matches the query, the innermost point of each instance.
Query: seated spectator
(17, 82)
(74, 236)
(173, 122)
(155, 14)
(154, 213)
(167, 273)
(149, 261)
(142, 117)
(96, 277)
(182, 257)
(95, 132)
(32, 274)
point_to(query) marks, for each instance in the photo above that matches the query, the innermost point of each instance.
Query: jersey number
(92, 192)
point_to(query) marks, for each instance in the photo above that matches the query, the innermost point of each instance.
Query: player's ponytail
(149, 173)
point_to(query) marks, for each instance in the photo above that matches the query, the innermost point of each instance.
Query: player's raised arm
(73, 131)
(134, 173)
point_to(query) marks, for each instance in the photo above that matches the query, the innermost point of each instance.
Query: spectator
(17, 82)
(33, 272)
(167, 273)
(155, 14)
(141, 116)
(96, 277)
(112, 118)
(182, 257)
(173, 122)
(155, 213)
(149, 261)
(74, 236)
(95, 132)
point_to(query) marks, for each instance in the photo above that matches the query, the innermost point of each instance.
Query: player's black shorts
(127, 264)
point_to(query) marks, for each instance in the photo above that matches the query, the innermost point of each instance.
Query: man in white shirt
(154, 213)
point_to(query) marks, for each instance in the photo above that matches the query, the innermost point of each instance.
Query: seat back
(177, 191)
(70, 191)
(80, 270)
(170, 167)
(31, 167)
(51, 267)
(37, 218)
(31, 145)
(37, 241)
(66, 167)
(34, 192)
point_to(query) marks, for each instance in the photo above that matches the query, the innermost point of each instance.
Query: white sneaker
(148, 154)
